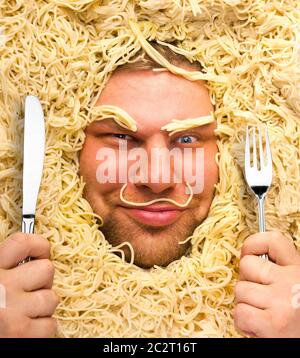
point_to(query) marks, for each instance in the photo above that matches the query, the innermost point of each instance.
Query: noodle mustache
(157, 200)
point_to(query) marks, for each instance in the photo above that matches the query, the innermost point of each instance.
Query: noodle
(64, 52)
(120, 116)
(178, 125)
(156, 200)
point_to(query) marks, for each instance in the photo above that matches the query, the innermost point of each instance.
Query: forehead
(153, 99)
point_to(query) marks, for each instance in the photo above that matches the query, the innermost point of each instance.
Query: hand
(26, 299)
(268, 293)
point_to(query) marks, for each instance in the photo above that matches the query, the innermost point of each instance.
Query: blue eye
(186, 139)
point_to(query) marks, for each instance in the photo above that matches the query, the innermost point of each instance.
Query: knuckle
(238, 289)
(245, 262)
(237, 312)
(247, 243)
(276, 236)
(47, 266)
(19, 238)
(56, 299)
(42, 298)
(47, 298)
(53, 297)
(46, 244)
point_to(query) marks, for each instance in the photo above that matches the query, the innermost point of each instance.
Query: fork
(258, 179)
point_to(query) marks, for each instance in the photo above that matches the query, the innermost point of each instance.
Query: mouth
(154, 215)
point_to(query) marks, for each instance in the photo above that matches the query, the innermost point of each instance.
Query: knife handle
(28, 224)
(27, 228)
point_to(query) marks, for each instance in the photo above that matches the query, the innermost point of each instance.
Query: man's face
(152, 99)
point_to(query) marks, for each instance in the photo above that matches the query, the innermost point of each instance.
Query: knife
(33, 160)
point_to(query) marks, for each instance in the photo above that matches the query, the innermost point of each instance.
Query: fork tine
(254, 148)
(261, 152)
(247, 149)
(268, 149)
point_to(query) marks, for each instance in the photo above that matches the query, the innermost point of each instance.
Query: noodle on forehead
(64, 51)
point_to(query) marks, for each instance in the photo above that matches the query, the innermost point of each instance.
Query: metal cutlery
(258, 171)
(33, 160)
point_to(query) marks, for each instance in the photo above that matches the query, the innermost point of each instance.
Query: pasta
(157, 200)
(119, 116)
(178, 125)
(64, 51)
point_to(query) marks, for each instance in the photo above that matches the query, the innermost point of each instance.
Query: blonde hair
(142, 61)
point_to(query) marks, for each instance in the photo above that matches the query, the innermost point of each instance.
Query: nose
(156, 188)
(160, 177)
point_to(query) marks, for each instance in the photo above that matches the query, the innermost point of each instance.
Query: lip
(155, 207)
(154, 215)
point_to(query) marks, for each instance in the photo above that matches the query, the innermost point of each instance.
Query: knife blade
(33, 160)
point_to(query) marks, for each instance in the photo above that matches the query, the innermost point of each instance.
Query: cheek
(87, 162)
(210, 164)
(90, 166)
(211, 170)
(210, 174)
(205, 170)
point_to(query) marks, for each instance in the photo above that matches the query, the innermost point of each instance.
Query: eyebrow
(182, 125)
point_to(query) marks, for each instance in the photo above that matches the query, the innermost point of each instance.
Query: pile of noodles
(64, 51)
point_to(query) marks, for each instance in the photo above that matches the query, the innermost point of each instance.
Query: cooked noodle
(133, 203)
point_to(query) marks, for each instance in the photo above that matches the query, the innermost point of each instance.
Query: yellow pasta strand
(179, 125)
(157, 200)
(120, 116)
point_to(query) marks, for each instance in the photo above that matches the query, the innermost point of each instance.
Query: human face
(152, 99)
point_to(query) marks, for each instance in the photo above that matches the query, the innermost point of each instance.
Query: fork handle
(261, 219)
(261, 213)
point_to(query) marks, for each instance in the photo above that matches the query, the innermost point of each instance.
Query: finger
(8, 326)
(34, 275)
(253, 294)
(275, 244)
(44, 327)
(256, 269)
(252, 321)
(13, 324)
(19, 246)
(41, 303)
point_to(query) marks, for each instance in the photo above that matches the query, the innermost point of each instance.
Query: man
(153, 99)
(266, 294)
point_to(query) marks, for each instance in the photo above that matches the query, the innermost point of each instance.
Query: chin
(161, 259)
